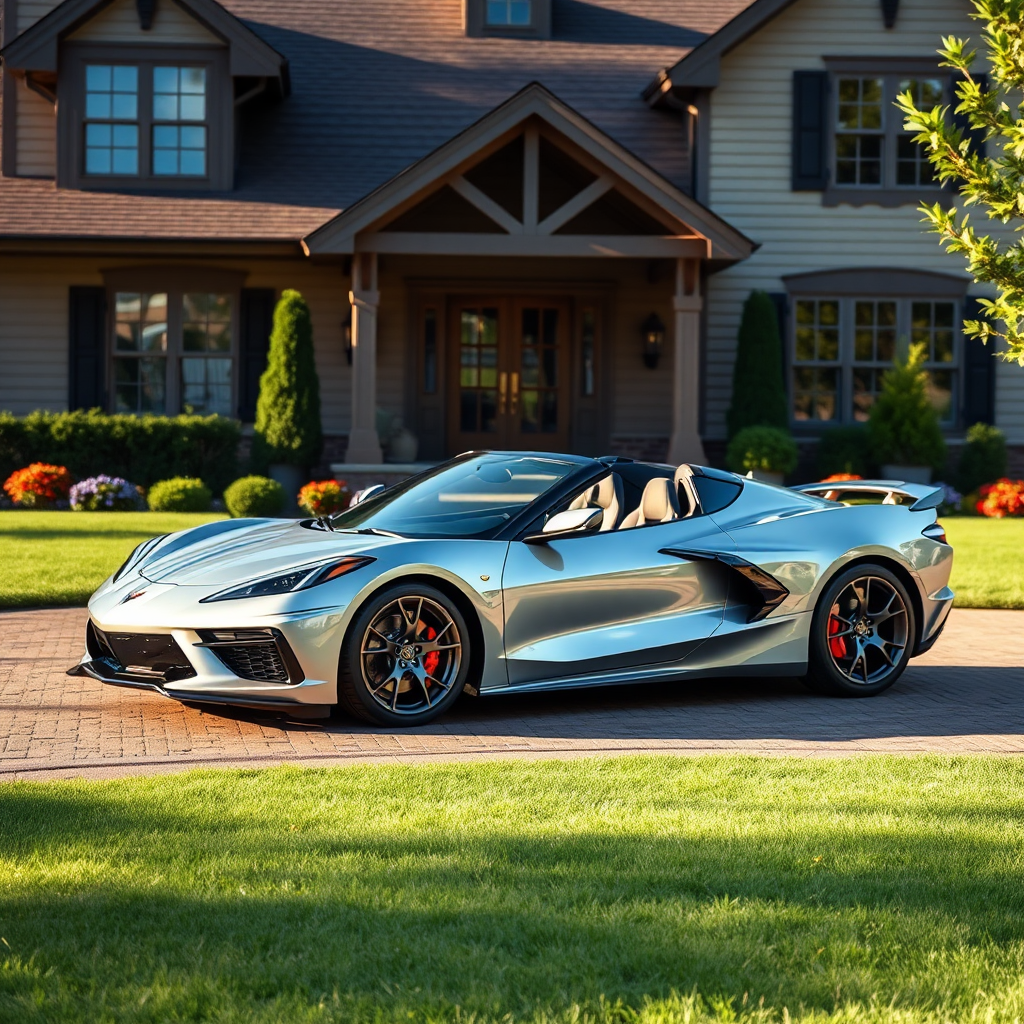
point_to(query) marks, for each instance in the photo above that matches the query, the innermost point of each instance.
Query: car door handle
(768, 593)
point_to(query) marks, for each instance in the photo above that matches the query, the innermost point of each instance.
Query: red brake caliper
(431, 660)
(837, 645)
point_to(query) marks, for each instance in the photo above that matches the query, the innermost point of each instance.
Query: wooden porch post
(363, 443)
(685, 444)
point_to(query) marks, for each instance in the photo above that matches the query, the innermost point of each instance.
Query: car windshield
(472, 496)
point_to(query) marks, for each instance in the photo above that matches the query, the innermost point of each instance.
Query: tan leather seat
(686, 491)
(605, 494)
(658, 504)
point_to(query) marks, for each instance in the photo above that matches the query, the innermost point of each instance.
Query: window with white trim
(840, 348)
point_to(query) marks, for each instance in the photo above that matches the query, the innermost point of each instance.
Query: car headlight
(303, 578)
(137, 555)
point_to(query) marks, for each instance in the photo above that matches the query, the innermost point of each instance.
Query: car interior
(655, 494)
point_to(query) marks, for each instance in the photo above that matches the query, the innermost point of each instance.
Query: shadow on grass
(807, 905)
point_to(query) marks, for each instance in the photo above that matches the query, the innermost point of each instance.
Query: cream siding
(35, 134)
(119, 23)
(749, 177)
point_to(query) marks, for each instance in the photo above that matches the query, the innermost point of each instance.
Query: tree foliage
(994, 183)
(758, 390)
(903, 426)
(288, 408)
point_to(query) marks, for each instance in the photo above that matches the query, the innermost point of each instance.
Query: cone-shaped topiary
(903, 426)
(758, 390)
(288, 408)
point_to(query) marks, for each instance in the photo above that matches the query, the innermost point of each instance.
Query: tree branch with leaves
(993, 183)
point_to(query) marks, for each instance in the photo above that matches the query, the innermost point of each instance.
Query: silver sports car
(503, 572)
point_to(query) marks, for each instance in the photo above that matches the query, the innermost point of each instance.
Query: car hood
(247, 549)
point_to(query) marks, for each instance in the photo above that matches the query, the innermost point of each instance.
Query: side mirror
(572, 520)
(367, 492)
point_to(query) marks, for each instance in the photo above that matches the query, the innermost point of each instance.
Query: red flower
(39, 485)
(1005, 497)
(836, 478)
(324, 497)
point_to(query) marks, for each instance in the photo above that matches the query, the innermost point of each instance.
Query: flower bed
(40, 485)
(106, 494)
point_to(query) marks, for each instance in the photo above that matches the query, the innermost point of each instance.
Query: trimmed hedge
(256, 497)
(143, 449)
(179, 494)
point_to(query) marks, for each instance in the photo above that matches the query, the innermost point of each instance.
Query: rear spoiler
(921, 496)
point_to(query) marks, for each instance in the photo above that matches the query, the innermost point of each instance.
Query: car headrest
(686, 491)
(658, 503)
(607, 494)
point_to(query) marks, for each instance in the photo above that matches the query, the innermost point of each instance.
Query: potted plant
(903, 427)
(763, 453)
(288, 436)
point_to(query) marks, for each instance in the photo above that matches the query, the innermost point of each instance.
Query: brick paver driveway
(966, 695)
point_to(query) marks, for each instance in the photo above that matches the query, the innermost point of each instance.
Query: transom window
(870, 148)
(173, 352)
(841, 347)
(127, 104)
(515, 13)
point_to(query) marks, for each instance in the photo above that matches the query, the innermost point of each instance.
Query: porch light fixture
(653, 331)
(346, 336)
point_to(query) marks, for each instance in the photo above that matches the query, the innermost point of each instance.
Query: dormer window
(508, 13)
(111, 115)
(529, 19)
(162, 118)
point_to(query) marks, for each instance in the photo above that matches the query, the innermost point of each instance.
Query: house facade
(525, 223)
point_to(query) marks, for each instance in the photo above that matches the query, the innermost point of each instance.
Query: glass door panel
(540, 376)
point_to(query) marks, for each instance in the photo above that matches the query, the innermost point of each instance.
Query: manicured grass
(653, 889)
(988, 563)
(60, 558)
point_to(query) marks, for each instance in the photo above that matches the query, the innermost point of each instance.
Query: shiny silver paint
(578, 610)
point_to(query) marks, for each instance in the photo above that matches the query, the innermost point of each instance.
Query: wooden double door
(509, 363)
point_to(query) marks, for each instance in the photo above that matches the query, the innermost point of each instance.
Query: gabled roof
(36, 48)
(699, 68)
(534, 102)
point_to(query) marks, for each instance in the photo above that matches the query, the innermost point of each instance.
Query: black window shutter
(255, 323)
(780, 300)
(979, 404)
(87, 347)
(810, 131)
(961, 121)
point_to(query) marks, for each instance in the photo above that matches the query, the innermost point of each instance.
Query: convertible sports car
(503, 572)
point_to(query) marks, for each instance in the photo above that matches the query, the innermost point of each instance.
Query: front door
(509, 374)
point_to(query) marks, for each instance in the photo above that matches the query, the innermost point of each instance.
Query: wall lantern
(346, 336)
(654, 340)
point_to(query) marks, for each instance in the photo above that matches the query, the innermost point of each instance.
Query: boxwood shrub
(254, 497)
(179, 494)
(143, 449)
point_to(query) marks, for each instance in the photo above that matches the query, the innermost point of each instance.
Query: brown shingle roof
(376, 87)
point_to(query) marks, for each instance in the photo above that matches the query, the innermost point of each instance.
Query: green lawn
(642, 889)
(60, 558)
(988, 564)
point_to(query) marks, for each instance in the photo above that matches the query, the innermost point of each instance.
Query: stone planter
(908, 474)
(765, 477)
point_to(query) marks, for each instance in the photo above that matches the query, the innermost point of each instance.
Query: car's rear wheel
(862, 633)
(406, 657)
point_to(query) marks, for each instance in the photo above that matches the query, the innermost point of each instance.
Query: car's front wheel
(862, 633)
(405, 658)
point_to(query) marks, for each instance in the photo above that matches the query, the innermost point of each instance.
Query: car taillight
(936, 531)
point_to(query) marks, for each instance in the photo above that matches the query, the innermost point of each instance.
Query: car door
(589, 605)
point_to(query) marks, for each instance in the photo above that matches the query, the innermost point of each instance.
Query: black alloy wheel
(862, 633)
(405, 658)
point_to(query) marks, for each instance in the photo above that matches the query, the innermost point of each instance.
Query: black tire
(862, 633)
(405, 658)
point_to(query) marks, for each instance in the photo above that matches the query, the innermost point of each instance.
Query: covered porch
(529, 285)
